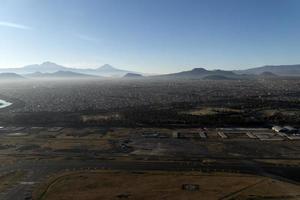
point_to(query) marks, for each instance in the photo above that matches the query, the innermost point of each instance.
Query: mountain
(60, 74)
(104, 70)
(199, 73)
(108, 70)
(50, 67)
(133, 75)
(281, 70)
(10, 76)
(46, 67)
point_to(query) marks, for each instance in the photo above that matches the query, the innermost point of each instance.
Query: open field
(211, 111)
(280, 162)
(162, 185)
(10, 179)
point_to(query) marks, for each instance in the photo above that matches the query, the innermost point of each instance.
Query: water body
(4, 104)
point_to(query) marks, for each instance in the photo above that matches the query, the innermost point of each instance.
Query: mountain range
(53, 70)
(133, 75)
(50, 67)
(9, 76)
(269, 71)
(59, 74)
(281, 70)
(200, 73)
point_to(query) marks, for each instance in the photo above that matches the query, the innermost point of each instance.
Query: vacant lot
(159, 185)
(9, 179)
(211, 111)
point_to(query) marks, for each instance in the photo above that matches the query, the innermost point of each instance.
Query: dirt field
(160, 185)
(280, 162)
(9, 179)
(76, 143)
(211, 111)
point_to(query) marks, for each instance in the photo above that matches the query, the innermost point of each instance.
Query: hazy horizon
(187, 68)
(150, 36)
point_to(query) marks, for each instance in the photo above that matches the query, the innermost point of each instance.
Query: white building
(277, 129)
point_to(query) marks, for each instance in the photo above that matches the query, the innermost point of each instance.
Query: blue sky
(150, 35)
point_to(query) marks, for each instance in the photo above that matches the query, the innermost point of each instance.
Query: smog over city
(149, 99)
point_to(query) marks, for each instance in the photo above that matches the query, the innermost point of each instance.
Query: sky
(156, 36)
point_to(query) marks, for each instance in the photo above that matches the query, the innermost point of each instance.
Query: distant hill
(281, 70)
(10, 76)
(105, 70)
(217, 77)
(50, 67)
(60, 74)
(70, 74)
(200, 73)
(268, 74)
(133, 75)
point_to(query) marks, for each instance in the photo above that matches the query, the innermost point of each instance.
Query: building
(285, 129)
(277, 129)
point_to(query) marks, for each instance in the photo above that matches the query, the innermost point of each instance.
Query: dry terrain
(161, 185)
